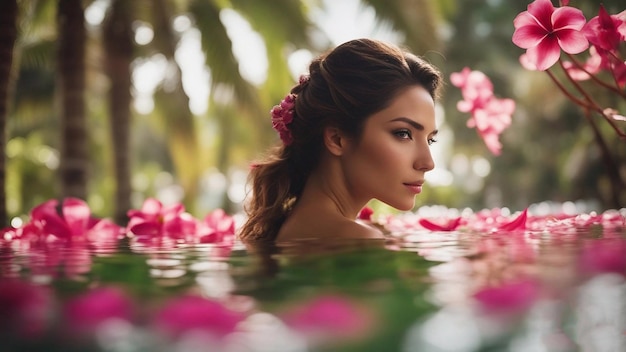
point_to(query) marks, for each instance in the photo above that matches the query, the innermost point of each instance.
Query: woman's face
(390, 159)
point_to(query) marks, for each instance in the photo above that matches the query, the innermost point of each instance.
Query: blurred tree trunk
(118, 44)
(174, 105)
(71, 75)
(8, 34)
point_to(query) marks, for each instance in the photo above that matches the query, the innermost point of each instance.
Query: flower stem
(590, 103)
(598, 80)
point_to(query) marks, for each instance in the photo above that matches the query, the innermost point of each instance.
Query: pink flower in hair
(282, 115)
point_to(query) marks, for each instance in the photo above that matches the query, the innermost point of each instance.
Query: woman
(357, 128)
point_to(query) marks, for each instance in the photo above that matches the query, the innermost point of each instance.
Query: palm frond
(217, 47)
(416, 19)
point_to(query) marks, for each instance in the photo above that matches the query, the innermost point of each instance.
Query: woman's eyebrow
(415, 124)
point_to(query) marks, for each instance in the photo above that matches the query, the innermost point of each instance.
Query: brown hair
(345, 87)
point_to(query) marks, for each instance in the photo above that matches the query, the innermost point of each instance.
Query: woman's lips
(414, 187)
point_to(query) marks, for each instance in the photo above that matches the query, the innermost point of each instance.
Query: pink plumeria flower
(492, 120)
(544, 30)
(489, 115)
(606, 31)
(217, 227)
(154, 221)
(74, 223)
(476, 89)
(592, 65)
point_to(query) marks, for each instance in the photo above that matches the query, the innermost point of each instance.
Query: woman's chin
(402, 206)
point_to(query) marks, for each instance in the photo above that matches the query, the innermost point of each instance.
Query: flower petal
(525, 19)
(528, 36)
(568, 18)
(572, 41)
(492, 142)
(47, 216)
(151, 206)
(519, 223)
(545, 54)
(450, 225)
(542, 11)
(76, 213)
(526, 62)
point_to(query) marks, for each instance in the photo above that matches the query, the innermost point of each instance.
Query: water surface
(418, 290)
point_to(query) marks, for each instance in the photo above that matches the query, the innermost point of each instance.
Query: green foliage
(389, 283)
(548, 152)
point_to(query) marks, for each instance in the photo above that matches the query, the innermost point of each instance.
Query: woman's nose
(424, 161)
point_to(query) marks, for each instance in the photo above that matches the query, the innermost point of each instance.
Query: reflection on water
(418, 290)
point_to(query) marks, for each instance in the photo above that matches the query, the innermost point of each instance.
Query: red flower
(606, 31)
(74, 222)
(365, 214)
(282, 116)
(217, 227)
(156, 221)
(544, 30)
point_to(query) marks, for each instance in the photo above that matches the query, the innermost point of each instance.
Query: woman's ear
(335, 141)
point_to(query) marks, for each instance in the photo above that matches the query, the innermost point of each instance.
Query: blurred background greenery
(175, 97)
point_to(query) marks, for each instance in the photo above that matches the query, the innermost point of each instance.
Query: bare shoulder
(353, 229)
(337, 228)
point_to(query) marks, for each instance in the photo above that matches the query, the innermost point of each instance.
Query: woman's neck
(326, 189)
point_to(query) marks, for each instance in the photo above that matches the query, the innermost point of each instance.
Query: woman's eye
(431, 141)
(403, 134)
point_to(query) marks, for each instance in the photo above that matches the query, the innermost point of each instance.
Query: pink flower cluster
(605, 34)
(489, 115)
(544, 31)
(65, 235)
(155, 224)
(71, 221)
(282, 116)
(61, 236)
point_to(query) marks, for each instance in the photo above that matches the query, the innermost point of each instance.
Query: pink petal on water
(450, 225)
(511, 297)
(186, 313)
(329, 315)
(86, 312)
(519, 223)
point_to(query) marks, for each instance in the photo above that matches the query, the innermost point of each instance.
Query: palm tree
(173, 104)
(8, 34)
(71, 75)
(118, 44)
